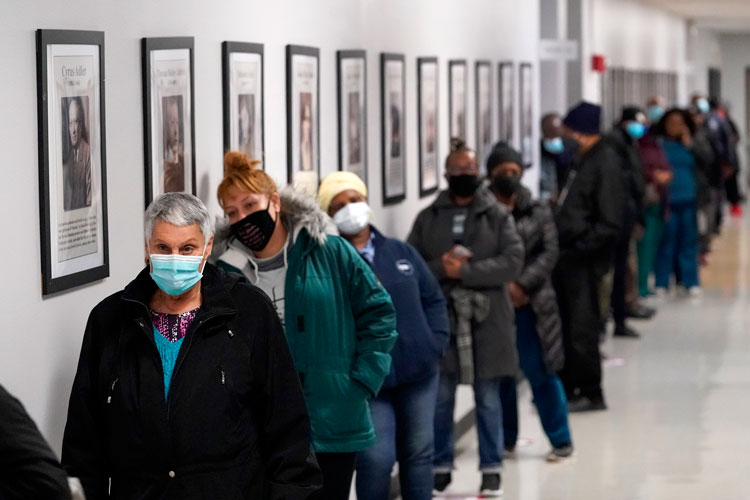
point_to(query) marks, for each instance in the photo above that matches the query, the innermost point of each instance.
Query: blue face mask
(554, 146)
(636, 130)
(703, 105)
(655, 113)
(176, 274)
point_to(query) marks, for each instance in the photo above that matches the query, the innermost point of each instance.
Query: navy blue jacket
(421, 311)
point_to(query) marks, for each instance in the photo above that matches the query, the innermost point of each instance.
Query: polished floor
(678, 424)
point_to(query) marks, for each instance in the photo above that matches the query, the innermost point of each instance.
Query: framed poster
(393, 126)
(242, 78)
(303, 117)
(351, 70)
(427, 115)
(457, 98)
(525, 92)
(505, 87)
(72, 158)
(483, 82)
(169, 124)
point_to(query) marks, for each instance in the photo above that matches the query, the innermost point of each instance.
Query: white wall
(704, 51)
(633, 36)
(40, 338)
(735, 54)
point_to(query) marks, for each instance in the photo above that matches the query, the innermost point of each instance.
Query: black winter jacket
(234, 426)
(28, 468)
(589, 212)
(536, 227)
(633, 181)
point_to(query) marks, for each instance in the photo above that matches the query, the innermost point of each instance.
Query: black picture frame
(425, 156)
(344, 163)
(54, 278)
(526, 112)
(452, 108)
(148, 46)
(506, 108)
(291, 52)
(227, 49)
(483, 117)
(385, 127)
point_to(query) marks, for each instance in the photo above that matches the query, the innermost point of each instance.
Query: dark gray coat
(491, 235)
(536, 226)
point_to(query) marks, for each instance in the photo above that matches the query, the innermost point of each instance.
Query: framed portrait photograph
(505, 87)
(242, 81)
(169, 124)
(72, 158)
(303, 117)
(457, 98)
(483, 82)
(525, 93)
(351, 71)
(427, 116)
(393, 126)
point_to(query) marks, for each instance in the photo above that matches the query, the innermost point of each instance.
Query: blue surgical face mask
(554, 146)
(703, 105)
(636, 130)
(176, 274)
(655, 113)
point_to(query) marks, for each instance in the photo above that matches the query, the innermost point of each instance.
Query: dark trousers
(577, 288)
(338, 469)
(619, 285)
(548, 391)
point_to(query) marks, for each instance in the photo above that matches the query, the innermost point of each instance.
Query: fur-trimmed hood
(299, 211)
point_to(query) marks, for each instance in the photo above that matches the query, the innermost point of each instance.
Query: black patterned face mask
(255, 230)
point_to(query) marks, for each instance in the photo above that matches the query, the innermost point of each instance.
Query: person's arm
(502, 268)
(434, 304)
(415, 240)
(375, 321)
(28, 467)
(286, 446)
(605, 228)
(83, 453)
(536, 272)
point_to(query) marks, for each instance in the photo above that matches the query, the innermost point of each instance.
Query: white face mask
(353, 218)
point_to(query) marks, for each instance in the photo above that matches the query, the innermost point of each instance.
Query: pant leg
(509, 404)
(415, 412)
(687, 254)
(547, 389)
(648, 247)
(374, 465)
(631, 276)
(446, 403)
(337, 469)
(489, 424)
(577, 285)
(619, 311)
(667, 250)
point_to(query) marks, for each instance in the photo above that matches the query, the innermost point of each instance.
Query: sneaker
(442, 480)
(584, 404)
(695, 292)
(626, 331)
(509, 452)
(641, 311)
(736, 210)
(559, 453)
(491, 486)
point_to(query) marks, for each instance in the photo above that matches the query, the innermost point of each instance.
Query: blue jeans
(403, 419)
(678, 250)
(489, 423)
(547, 389)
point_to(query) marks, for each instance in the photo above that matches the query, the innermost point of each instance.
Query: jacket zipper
(112, 390)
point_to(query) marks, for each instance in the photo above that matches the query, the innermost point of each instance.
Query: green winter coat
(339, 321)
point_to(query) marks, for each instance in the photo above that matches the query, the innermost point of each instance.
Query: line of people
(295, 343)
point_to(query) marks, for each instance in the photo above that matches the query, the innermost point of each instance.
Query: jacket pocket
(337, 405)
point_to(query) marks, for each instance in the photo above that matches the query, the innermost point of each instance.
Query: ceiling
(730, 16)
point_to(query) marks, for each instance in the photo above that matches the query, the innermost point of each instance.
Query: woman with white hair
(185, 385)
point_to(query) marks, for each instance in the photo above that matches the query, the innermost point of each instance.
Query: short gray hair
(180, 209)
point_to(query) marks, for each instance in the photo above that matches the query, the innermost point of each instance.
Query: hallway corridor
(677, 424)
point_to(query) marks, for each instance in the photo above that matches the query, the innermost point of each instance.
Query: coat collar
(214, 290)
(483, 200)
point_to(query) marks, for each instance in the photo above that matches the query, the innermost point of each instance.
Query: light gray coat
(498, 255)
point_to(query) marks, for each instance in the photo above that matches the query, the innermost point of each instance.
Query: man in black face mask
(470, 243)
(588, 223)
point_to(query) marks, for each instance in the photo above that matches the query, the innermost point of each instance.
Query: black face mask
(463, 185)
(255, 230)
(506, 185)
